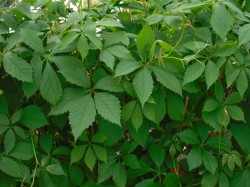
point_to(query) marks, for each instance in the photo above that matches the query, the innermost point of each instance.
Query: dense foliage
(126, 93)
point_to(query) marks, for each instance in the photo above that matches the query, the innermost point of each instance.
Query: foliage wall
(126, 93)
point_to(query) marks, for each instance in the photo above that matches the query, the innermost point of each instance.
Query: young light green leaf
(108, 107)
(236, 113)
(188, 136)
(77, 153)
(221, 20)
(90, 158)
(168, 80)
(30, 37)
(193, 72)
(82, 115)
(157, 154)
(137, 117)
(50, 86)
(17, 67)
(55, 169)
(145, 41)
(33, 117)
(210, 162)
(126, 66)
(120, 175)
(143, 84)
(211, 73)
(194, 158)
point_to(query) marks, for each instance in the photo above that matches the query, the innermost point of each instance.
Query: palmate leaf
(50, 86)
(108, 107)
(17, 67)
(143, 84)
(82, 115)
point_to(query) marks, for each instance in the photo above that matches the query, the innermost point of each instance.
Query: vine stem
(37, 162)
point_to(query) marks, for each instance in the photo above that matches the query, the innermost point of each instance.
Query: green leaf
(90, 158)
(188, 136)
(100, 152)
(107, 58)
(209, 180)
(69, 98)
(223, 180)
(143, 84)
(236, 113)
(109, 23)
(127, 110)
(50, 86)
(144, 41)
(68, 39)
(105, 171)
(241, 178)
(108, 107)
(131, 161)
(82, 115)
(221, 20)
(22, 151)
(193, 72)
(211, 105)
(109, 84)
(120, 52)
(76, 174)
(175, 107)
(168, 80)
(33, 117)
(17, 67)
(244, 34)
(233, 98)
(242, 83)
(14, 168)
(119, 175)
(126, 66)
(77, 153)
(46, 142)
(210, 162)
(3, 105)
(9, 141)
(137, 117)
(154, 18)
(211, 73)
(225, 50)
(221, 143)
(171, 180)
(232, 73)
(194, 158)
(55, 169)
(76, 73)
(83, 46)
(95, 40)
(241, 135)
(157, 154)
(30, 37)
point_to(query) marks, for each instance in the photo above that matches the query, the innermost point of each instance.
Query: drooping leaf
(77, 153)
(194, 158)
(211, 73)
(221, 20)
(223, 180)
(157, 154)
(31, 38)
(120, 175)
(17, 67)
(241, 135)
(76, 174)
(108, 107)
(168, 80)
(83, 46)
(143, 84)
(137, 117)
(242, 83)
(46, 142)
(210, 162)
(107, 58)
(33, 117)
(127, 110)
(193, 72)
(50, 86)
(175, 107)
(9, 141)
(82, 115)
(90, 158)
